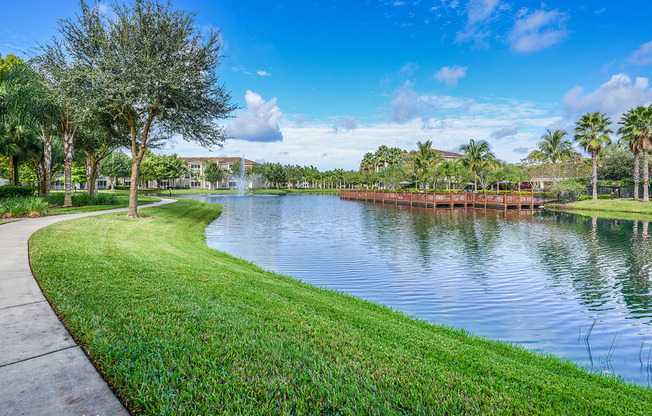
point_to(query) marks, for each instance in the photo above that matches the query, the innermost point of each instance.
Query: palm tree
(635, 134)
(382, 157)
(477, 155)
(367, 162)
(554, 147)
(592, 133)
(424, 159)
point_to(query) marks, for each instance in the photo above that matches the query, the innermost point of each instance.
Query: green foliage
(14, 191)
(83, 199)
(116, 165)
(616, 163)
(23, 206)
(587, 197)
(213, 173)
(569, 189)
(275, 173)
(158, 168)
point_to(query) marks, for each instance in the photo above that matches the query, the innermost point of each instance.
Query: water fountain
(240, 178)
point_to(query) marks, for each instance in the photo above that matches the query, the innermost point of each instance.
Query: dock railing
(434, 199)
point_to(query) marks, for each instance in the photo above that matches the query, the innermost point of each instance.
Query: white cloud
(347, 123)
(450, 75)
(404, 106)
(466, 107)
(409, 69)
(506, 131)
(642, 55)
(478, 12)
(615, 96)
(259, 123)
(538, 30)
(263, 73)
(300, 119)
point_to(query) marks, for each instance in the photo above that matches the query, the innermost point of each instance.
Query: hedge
(12, 191)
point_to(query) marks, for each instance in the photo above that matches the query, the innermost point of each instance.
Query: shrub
(13, 191)
(23, 205)
(83, 199)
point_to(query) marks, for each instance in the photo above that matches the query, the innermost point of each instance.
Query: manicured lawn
(6, 222)
(178, 328)
(623, 205)
(123, 202)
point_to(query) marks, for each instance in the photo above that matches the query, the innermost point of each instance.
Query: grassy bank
(178, 328)
(625, 209)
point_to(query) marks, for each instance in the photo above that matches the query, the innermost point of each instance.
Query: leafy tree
(159, 168)
(275, 173)
(116, 165)
(477, 156)
(569, 189)
(592, 132)
(617, 164)
(154, 70)
(213, 173)
(635, 132)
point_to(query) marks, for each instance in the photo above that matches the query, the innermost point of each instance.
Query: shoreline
(274, 331)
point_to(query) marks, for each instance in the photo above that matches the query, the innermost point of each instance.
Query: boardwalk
(435, 200)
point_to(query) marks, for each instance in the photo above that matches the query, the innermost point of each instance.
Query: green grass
(607, 208)
(178, 328)
(6, 222)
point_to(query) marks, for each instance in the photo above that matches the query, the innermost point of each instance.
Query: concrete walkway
(42, 370)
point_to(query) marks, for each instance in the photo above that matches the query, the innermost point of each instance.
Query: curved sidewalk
(42, 370)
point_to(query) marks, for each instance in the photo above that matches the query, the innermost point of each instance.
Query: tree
(367, 163)
(477, 155)
(159, 168)
(116, 165)
(592, 133)
(152, 68)
(275, 173)
(617, 164)
(423, 160)
(635, 132)
(568, 189)
(554, 148)
(213, 173)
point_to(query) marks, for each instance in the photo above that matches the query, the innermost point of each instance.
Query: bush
(13, 191)
(587, 197)
(23, 205)
(83, 199)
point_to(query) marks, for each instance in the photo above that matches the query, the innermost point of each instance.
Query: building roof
(217, 159)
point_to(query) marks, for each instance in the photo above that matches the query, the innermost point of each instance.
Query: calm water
(577, 288)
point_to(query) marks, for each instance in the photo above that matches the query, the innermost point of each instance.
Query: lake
(576, 287)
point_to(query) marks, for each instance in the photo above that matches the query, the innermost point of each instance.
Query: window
(195, 166)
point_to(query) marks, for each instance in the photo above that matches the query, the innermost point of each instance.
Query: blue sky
(324, 82)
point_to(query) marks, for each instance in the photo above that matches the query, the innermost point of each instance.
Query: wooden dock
(449, 200)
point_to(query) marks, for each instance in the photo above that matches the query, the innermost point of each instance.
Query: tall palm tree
(382, 157)
(367, 162)
(424, 159)
(635, 133)
(592, 132)
(477, 155)
(554, 147)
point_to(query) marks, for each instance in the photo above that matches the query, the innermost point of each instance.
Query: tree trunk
(67, 170)
(594, 174)
(47, 164)
(637, 174)
(88, 168)
(12, 178)
(646, 174)
(133, 189)
(39, 178)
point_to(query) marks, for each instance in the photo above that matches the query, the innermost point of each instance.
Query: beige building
(194, 179)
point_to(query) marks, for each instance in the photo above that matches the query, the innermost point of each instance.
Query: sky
(323, 82)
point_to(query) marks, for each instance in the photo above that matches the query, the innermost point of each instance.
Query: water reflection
(577, 287)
